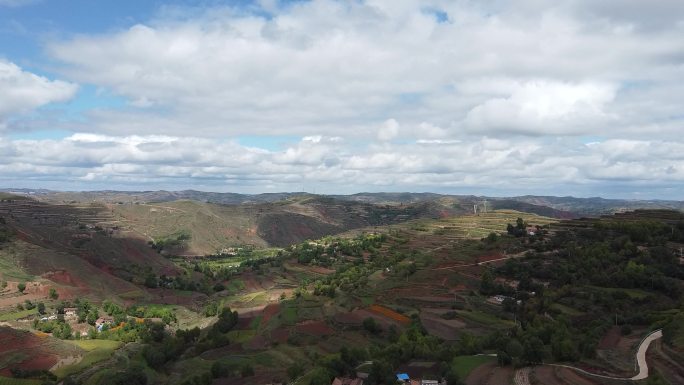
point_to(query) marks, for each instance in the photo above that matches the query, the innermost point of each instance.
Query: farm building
(100, 322)
(70, 312)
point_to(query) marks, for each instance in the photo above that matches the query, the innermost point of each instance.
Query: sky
(503, 98)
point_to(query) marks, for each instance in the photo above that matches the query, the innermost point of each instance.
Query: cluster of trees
(163, 347)
(673, 331)
(85, 311)
(329, 249)
(520, 230)
(166, 314)
(173, 240)
(28, 305)
(120, 314)
(590, 268)
(413, 343)
(58, 328)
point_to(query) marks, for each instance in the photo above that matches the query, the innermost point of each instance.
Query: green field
(484, 319)
(466, 364)
(15, 315)
(241, 336)
(96, 351)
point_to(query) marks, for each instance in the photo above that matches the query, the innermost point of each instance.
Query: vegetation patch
(466, 364)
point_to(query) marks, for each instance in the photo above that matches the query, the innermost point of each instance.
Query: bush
(21, 287)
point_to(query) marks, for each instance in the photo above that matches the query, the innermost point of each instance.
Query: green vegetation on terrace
(474, 226)
(176, 239)
(95, 351)
(17, 314)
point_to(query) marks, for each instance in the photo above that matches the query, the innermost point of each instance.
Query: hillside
(212, 227)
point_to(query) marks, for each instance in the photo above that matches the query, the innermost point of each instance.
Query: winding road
(522, 375)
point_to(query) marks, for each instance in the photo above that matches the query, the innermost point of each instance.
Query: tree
(92, 316)
(227, 320)
(514, 349)
(53, 293)
(21, 287)
(487, 285)
(533, 350)
(371, 325)
(41, 308)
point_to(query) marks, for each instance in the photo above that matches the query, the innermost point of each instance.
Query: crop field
(389, 313)
(466, 364)
(466, 226)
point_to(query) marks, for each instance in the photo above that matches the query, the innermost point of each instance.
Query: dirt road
(640, 358)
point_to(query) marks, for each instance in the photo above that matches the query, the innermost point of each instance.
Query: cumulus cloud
(22, 91)
(542, 108)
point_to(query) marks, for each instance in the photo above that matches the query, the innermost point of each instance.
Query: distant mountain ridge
(562, 207)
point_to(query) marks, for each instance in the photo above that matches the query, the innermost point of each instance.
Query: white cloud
(22, 91)
(542, 108)
(389, 130)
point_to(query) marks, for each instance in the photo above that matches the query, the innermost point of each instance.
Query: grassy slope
(26, 260)
(212, 227)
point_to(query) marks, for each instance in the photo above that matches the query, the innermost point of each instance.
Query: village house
(70, 312)
(100, 322)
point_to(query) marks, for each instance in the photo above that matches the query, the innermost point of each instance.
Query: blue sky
(569, 97)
